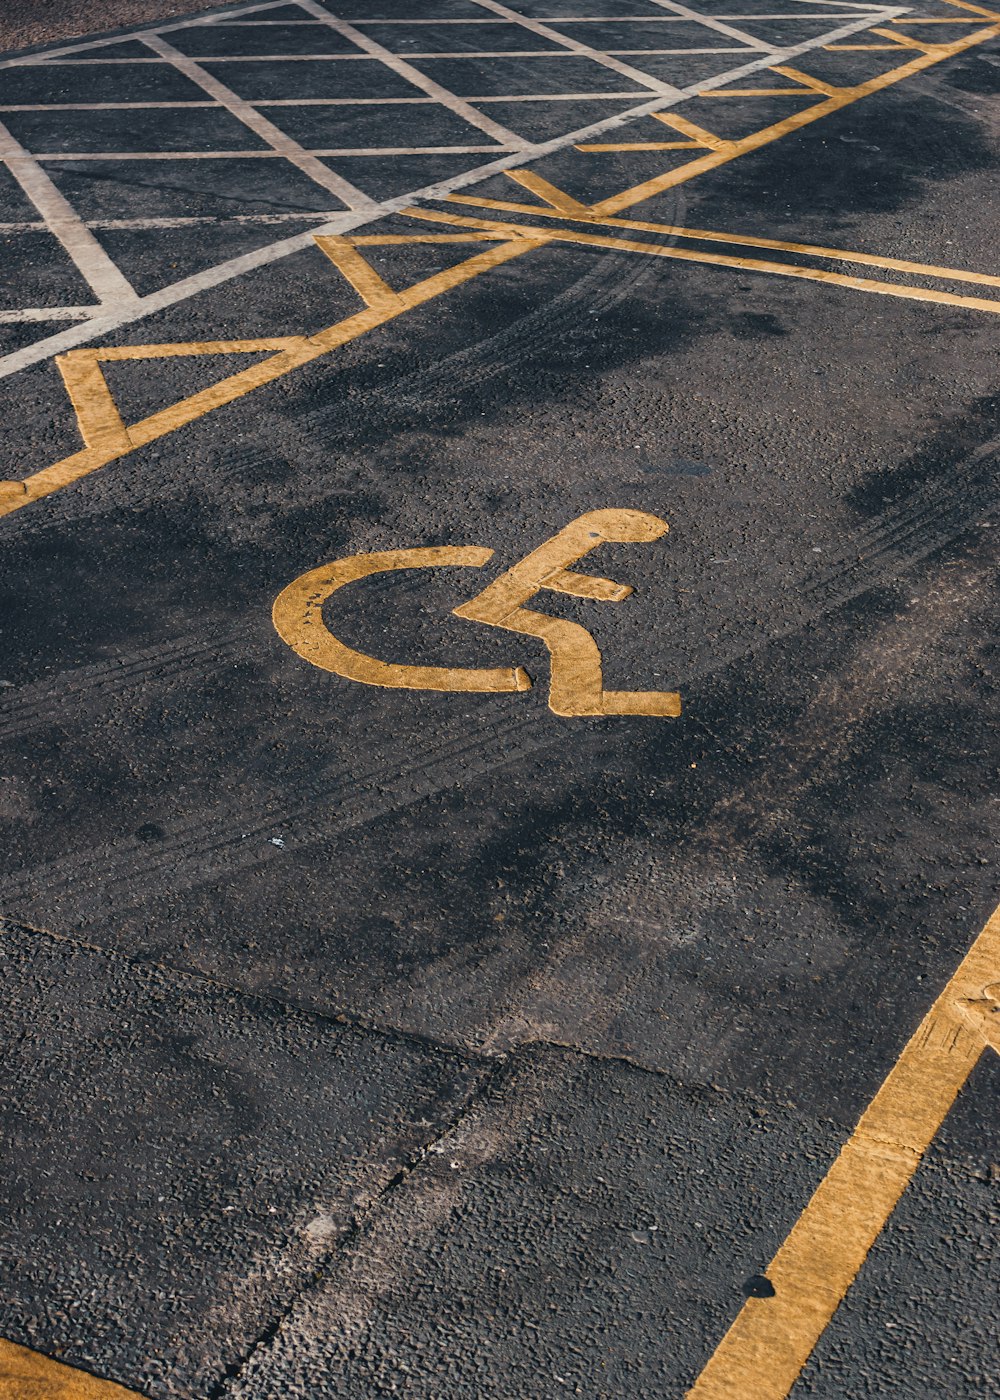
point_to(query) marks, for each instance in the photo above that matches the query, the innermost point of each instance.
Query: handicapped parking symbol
(576, 683)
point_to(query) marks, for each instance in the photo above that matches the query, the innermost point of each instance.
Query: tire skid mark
(227, 841)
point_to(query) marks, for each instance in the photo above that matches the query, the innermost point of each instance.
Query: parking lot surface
(498, 759)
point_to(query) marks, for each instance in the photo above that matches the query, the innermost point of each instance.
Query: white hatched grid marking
(719, 25)
(458, 105)
(546, 31)
(128, 308)
(280, 143)
(102, 276)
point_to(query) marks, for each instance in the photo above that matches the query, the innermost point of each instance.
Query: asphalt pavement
(498, 719)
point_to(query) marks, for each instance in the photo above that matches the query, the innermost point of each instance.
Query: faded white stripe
(257, 123)
(545, 31)
(104, 279)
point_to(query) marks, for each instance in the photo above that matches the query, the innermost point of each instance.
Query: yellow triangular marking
(25, 1373)
(690, 129)
(554, 197)
(100, 423)
(370, 287)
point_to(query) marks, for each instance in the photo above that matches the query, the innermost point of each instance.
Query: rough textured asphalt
(24, 23)
(368, 1042)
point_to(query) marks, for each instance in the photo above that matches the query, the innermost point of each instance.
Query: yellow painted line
(973, 9)
(813, 250)
(795, 122)
(545, 190)
(763, 1353)
(27, 1375)
(906, 41)
(301, 351)
(806, 79)
(759, 92)
(373, 290)
(691, 129)
(778, 269)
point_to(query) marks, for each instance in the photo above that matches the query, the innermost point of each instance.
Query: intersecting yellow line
(494, 228)
(107, 437)
(777, 269)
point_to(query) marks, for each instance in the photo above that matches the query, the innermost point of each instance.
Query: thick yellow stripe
(27, 1375)
(764, 1351)
(81, 464)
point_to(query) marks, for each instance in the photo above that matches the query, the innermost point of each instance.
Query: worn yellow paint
(805, 79)
(643, 146)
(107, 437)
(300, 351)
(777, 269)
(770, 1341)
(906, 41)
(298, 620)
(27, 1375)
(373, 290)
(702, 235)
(795, 122)
(576, 686)
(545, 190)
(758, 92)
(697, 133)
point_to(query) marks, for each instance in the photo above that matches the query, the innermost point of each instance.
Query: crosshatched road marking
(512, 240)
(739, 55)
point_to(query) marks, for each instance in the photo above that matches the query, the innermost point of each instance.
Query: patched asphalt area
(371, 1041)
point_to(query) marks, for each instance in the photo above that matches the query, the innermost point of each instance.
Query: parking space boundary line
(771, 1339)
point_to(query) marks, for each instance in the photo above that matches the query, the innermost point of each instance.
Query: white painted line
(545, 31)
(101, 106)
(49, 313)
(104, 279)
(279, 155)
(284, 145)
(718, 25)
(32, 60)
(211, 277)
(178, 221)
(458, 105)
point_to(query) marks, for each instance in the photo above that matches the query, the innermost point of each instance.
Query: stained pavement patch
(187, 1159)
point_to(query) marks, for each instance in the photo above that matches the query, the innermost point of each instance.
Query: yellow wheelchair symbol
(576, 685)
